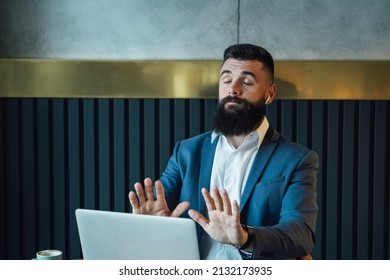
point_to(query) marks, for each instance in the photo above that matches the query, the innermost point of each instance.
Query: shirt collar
(261, 131)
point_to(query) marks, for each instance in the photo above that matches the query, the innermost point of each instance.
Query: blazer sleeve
(294, 235)
(172, 180)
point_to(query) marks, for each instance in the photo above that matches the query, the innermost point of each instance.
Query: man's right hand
(143, 202)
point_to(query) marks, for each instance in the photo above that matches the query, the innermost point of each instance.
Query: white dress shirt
(230, 171)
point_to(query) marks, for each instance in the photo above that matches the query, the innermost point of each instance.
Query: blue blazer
(279, 198)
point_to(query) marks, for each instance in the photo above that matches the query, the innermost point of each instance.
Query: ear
(271, 94)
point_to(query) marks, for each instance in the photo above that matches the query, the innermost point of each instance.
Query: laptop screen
(123, 236)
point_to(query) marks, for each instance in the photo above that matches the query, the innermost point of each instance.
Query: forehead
(239, 67)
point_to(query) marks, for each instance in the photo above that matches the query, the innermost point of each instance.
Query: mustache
(232, 99)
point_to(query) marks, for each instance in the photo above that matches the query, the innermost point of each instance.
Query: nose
(235, 89)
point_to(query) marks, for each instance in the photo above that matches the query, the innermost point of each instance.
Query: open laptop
(106, 235)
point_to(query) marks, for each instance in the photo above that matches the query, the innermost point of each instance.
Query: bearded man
(251, 191)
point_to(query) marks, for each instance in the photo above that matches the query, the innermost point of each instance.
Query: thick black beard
(238, 120)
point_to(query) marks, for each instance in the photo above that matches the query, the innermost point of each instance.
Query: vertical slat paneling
(118, 144)
(12, 180)
(348, 182)
(27, 179)
(180, 119)
(44, 198)
(318, 145)
(74, 176)
(387, 194)
(150, 154)
(302, 123)
(196, 115)
(103, 154)
(333, 186)
(134, 156)
(288, 119)
(165, 139)
(209, 113)
(60, 154)
(364, 182)
(59, 179)
(272, 113)
(387, 185)
(379, 181)
(2, 182)
(88, 154)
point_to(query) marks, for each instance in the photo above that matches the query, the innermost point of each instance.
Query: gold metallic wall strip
(333, 80)
(186, 79)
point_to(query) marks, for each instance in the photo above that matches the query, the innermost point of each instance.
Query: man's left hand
(224, 218)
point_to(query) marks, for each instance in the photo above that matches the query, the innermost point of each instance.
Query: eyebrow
(248, 73)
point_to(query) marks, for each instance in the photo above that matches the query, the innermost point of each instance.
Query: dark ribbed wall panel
(60, 154)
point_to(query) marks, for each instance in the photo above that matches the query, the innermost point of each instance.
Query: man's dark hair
(251, 52)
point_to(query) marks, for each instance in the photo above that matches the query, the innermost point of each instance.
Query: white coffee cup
(49, 255)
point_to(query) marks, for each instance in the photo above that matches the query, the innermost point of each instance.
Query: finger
(149, 189)
(227, 206)
(236, 211)
(160, 195)
(217, 199)
(134, 202)
(209, 200)
(180, 209)
(199, 218)
(140, 192)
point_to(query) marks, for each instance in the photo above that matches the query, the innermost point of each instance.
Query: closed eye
(247, 81)
(226, 80)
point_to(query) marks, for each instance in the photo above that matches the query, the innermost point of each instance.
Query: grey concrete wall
(318, 29)
(194, 29)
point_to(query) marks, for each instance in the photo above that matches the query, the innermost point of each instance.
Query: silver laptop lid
(123, 236)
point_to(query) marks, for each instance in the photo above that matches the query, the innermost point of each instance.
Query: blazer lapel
(263, 154)
(206, 166)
